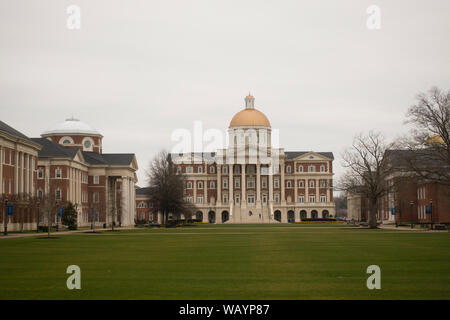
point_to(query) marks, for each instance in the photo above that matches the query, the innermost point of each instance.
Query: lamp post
(37, 220)
(5, 223)
(431, 213)
(411, 204)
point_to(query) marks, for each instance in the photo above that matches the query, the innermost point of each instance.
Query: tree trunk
(373, 214)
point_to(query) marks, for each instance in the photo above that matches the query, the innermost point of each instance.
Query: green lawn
(229, 262)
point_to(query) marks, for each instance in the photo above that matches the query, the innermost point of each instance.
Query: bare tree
(49, 206)
(167, 187)
(429, 144)
(367, 170)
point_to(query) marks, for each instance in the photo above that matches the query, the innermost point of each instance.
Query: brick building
(252, 182)
(18, 163)
(70, 166)
(410, 199)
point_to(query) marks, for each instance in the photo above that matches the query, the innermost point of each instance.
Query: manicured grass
(229, 262)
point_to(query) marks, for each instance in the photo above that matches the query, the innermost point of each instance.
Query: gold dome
(249, 118)
(435, 138)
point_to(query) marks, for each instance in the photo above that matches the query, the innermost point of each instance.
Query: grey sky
(137, 70)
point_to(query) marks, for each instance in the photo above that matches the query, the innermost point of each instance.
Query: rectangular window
(212, 170)
(188, 185)
(189, 199)
(250, 184)
(212, 185)
(251, 199)
(264, 183)
(238, 199)
(225, 183)
(200, 170)
(40, 173)
(96, 179)
(264, 198)
(312, 198)
(200, 199)
(58, 194)
(311, 183)
(225, 169)
(225, 198)
(323, 198)
(275, 183)
(200, 185)
(237, 183)
(311, 168)
(58, 173)
(301, 184)
(301, 199)
(189, 170)
(323, 183)
(277, 198)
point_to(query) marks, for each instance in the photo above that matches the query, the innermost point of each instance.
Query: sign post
(93, 220)
(60, 214)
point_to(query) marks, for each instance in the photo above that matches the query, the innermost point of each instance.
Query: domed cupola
(75, 133)
(249, 117)
(249, 127)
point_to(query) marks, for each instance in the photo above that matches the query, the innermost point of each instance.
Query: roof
(295, 154)
(52, 149)
(10, 130)
(144, 191)
(422, 157)
(249, 118)
(118, 159)
(71, 126)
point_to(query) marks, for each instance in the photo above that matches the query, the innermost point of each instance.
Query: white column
(295, 189)
(230, 184)
(243, 186)
(195, 191)
(205, 190)
(1, 171)
(258, 184)
(47, 180)
(132, 202)
(22, 173)
(319, 212)
(283, 198)
(16, 172)
(27, 162)
(219, 185)
(32, 169)
(270, 181)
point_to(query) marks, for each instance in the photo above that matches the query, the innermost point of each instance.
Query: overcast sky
(138, 70)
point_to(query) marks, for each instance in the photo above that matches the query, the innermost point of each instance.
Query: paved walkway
(403, 228)
(13, 235)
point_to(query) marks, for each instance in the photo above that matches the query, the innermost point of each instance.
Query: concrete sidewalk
(403, 228)
(52, 234)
